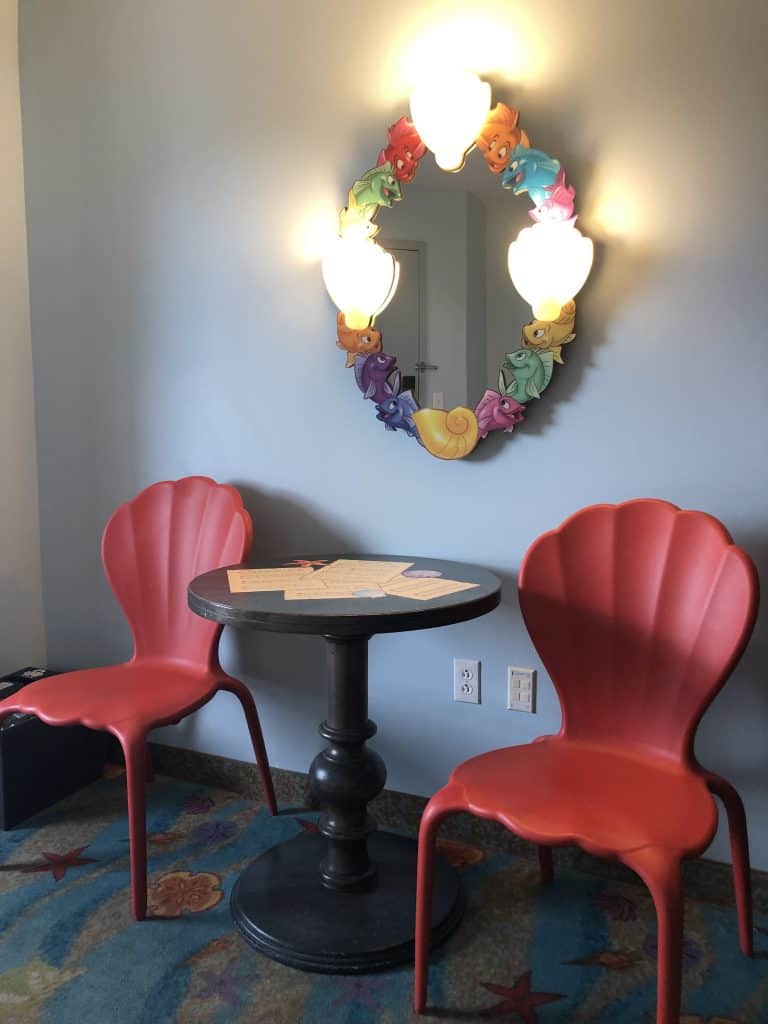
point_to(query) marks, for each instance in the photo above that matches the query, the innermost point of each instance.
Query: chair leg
(742, 876)
(660, 870)
(427, 837)
(438, 807)
(546, 864)
(243, 694)
(135, 750)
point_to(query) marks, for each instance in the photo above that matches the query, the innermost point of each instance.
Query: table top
(209, 595)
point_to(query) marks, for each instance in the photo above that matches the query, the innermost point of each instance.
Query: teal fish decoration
(531, 373)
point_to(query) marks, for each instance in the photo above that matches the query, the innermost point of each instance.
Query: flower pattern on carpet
(214, 831)
(198, 804)
(691, 1018)
(180, 891)
(578, 951)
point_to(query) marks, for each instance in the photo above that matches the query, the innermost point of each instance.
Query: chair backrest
(154, 545)
(639, 612)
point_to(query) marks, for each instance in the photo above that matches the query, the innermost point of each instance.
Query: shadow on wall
(611, 283)
(290, 669)
(743, 704)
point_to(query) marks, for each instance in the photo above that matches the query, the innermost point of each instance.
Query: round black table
(342, 900)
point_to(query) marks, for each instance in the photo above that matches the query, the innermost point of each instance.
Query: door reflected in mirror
(456, 312)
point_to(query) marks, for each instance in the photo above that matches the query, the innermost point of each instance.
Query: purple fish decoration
(497, 412)
(396, 413)
(371, 373)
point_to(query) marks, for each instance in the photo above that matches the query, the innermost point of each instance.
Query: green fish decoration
(377, 187)
(531, 373)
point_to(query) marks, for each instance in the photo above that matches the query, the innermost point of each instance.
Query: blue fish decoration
(531, 171)
(396, 413)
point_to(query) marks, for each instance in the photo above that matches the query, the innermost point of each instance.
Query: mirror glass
(456, 312)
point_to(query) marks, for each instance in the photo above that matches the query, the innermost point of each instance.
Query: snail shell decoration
(548, 264)
(447, 435)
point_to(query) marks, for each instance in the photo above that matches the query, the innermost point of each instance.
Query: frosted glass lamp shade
(448, 109)
(548, 264)
(361, 278)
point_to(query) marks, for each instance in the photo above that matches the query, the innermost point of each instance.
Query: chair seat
(145, 692)
(557, 791)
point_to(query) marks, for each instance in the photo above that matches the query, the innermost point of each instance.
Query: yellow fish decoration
(357, 220)
(447, 435)
(551, 335)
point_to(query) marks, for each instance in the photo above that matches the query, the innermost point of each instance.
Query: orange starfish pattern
(178, 891)
(307, 563)
(59, 863)
(460, 855)
(518, 999)
(613, 959)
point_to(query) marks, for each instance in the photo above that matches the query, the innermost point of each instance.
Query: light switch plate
(521, 689)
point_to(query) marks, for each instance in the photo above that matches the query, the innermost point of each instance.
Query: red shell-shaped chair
(152, 547)
(639, 612)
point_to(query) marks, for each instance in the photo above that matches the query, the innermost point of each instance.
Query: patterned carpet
(580, 950)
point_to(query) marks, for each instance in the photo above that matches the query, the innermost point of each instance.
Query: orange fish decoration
(499, 136)
(356, 342)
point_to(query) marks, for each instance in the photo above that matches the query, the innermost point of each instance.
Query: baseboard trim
(704, 879)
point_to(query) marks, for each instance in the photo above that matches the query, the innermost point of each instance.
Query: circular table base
(283, 910)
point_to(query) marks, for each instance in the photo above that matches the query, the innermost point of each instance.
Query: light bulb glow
(548, 263)
(361, 278)
(448, 109)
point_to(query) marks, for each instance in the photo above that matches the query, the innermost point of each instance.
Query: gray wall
(21, 606)
(176, 154)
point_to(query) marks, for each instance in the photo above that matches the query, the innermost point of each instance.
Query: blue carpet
(580, 950)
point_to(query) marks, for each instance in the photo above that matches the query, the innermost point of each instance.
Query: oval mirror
(436, 334)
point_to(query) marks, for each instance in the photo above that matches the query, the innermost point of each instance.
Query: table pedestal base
(284, 912)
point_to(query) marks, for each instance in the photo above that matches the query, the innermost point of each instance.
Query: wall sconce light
(448, 109)
(361, 278)
(548, 263)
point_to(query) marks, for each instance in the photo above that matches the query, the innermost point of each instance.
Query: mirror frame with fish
(525, 372)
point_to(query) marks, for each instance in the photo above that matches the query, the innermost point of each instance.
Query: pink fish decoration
(559, 205)
(498, 412)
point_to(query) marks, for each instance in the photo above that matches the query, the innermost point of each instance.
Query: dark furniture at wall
(341, 900)
(40, 765)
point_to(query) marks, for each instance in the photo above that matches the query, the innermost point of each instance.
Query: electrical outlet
(438, 400)
(521, 689)
(466, 680)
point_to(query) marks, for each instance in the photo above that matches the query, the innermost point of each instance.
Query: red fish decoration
(404, 150)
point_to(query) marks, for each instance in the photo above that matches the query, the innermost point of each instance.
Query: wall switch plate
(521, 689)
(438, 400)
(466, 680)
